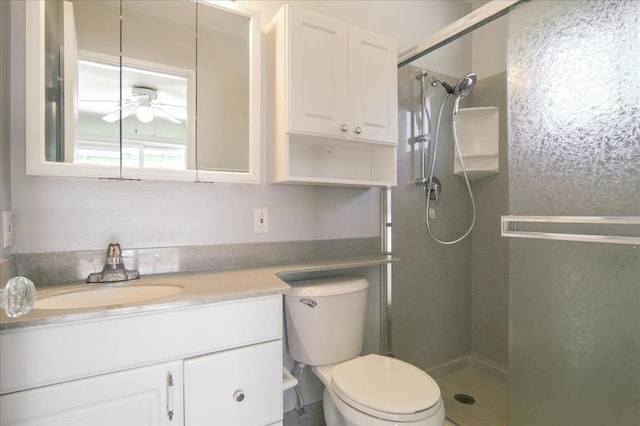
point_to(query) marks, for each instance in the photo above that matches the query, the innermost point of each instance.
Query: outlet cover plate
(261, 221)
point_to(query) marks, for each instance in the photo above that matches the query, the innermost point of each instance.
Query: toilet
(325, 330)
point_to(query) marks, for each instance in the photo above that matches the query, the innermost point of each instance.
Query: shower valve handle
(435, 190)
(432, 189)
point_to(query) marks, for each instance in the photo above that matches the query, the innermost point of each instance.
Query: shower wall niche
(478, 139)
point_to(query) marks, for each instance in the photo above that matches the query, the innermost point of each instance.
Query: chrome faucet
(114, 269)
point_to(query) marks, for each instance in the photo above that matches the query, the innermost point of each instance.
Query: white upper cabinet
(332, 102)
(342, 79)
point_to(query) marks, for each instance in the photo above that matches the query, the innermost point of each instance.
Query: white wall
(53, 214)
(489, 51)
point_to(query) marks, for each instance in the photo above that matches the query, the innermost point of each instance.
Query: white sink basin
(105, 296)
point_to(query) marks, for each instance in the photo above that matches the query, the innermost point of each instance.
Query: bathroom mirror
(122, 89)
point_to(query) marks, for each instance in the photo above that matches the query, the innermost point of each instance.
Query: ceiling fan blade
(169, 105)
(115, 115)
(128, 110)
(112, 116)
(109, 101)
(166, 114)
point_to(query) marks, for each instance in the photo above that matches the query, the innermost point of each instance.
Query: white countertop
(199, 288)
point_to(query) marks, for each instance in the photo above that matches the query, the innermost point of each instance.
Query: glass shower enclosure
(574, 190)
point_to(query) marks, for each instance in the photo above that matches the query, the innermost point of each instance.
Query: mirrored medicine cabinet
(135, 89)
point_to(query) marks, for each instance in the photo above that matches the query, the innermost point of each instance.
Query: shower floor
(488, 386)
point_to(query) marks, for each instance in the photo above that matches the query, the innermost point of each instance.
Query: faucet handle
(114, 250)
(114, 254)
(114, 269)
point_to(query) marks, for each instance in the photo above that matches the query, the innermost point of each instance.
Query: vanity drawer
(234, 387)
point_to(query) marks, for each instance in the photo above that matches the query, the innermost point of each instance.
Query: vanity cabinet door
(235, 387)
(143, 396)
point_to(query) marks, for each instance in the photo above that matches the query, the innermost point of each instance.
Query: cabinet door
(318, 73)
(373, 77)
(235, 387)
(143, 396)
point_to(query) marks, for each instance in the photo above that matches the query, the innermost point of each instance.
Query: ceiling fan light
(145, 114)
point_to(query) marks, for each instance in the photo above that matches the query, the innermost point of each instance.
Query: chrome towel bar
(510, 228)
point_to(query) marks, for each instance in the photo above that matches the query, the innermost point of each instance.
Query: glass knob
(344, 128)
(358, 130)
(17, 297)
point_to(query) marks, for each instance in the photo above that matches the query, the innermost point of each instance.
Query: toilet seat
(386, 388)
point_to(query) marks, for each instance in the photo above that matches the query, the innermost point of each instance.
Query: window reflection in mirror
(158, 81)
(154, 116)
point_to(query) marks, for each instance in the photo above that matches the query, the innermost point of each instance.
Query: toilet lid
(385, 384)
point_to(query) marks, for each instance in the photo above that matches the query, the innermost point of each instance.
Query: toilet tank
(325, 319)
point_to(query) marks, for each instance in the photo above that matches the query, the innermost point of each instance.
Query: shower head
(462, 89)
(465, 85)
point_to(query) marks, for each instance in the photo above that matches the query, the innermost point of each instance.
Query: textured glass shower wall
(574, 149)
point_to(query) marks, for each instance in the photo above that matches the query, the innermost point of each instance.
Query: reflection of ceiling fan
(143, 104)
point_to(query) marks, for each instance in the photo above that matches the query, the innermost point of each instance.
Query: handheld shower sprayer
(465, 85)
(462, 89)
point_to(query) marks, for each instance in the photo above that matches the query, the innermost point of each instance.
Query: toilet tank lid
(328, 286)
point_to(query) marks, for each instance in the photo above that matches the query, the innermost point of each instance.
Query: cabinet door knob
(344, 128)
(358, 130)
(238, 395)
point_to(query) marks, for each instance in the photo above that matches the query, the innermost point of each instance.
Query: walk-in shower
(547, 289)
(429, 149)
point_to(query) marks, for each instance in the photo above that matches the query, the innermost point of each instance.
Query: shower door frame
(476, 19)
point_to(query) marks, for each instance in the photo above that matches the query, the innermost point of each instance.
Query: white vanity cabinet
(172, 367)
(332, 100)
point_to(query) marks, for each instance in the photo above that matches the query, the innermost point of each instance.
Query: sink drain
(463, 398)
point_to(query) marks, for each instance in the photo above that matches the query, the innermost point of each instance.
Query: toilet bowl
(375, 390)
(325, 330)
